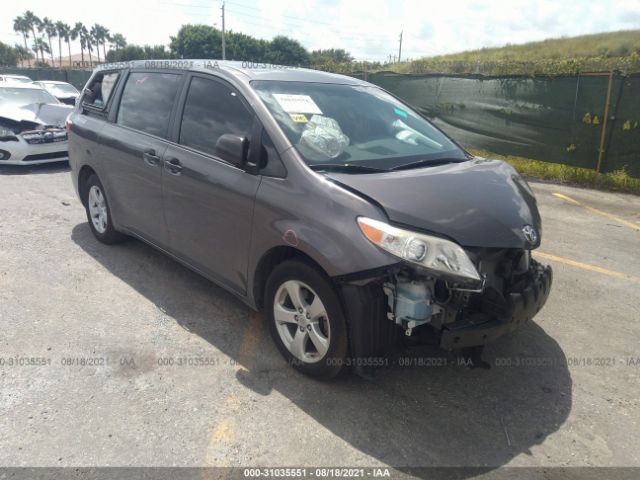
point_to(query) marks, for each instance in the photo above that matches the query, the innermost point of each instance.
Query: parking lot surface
(119, 356)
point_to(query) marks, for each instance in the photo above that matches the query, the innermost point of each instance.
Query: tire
(99, 213)
(315, 344)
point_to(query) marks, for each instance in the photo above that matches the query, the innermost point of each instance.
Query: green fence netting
(77, 78)
(555, 119)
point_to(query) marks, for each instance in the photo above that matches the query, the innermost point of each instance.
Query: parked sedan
(63, 91)
(32, 125)
(15, 78)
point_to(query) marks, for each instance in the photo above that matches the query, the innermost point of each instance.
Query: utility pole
(224, 53)
(400, 49)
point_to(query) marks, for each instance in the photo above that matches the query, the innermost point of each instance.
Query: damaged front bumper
(389, 306)
(518, 309)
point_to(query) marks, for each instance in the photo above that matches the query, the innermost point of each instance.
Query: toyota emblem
(530, 234)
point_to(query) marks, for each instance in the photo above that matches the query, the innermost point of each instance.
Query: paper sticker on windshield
(297, 103)
(298, 117)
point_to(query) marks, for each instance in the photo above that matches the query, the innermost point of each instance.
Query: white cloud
(369, 29)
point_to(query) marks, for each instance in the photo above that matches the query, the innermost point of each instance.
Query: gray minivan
(347, 217)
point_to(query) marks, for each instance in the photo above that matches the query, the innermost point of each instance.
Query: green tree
(337, 55)
(77, 33)
(64, 34)
(8, 55)
(197, 41)
(23, 54)
(105, 36)
(48, 27)
(95, 35)
(137, 52)
(20, 26)
(32, 22)
(118, 41)
(286, 51)
(41, 46)
(245, 47)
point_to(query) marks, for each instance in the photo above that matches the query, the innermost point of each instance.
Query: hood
(37, 113)
(479, 203)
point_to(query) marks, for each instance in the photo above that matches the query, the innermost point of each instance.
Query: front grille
(46, 156)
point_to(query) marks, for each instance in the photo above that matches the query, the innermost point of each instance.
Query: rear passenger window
(147, 100)
(211, 110)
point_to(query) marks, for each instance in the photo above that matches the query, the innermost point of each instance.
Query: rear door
(133, 148)
(208, 202)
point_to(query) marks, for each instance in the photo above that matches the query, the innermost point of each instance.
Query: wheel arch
(270, 260)
(85, 172)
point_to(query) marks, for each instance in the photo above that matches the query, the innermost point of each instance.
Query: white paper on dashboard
(297, 103)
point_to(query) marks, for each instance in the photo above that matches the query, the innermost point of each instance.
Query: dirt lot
(107, 322)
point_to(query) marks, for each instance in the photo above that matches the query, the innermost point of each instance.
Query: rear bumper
(520, 308)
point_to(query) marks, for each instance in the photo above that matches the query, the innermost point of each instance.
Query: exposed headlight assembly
(430, 252)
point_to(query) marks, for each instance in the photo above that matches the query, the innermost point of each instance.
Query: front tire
(306, 319)
(98, 212)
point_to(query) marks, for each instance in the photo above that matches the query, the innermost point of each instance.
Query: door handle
(173, 166)
(150, 157)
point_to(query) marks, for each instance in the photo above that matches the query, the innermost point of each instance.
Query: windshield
(57, 88)
(24, 96)
(353, 124)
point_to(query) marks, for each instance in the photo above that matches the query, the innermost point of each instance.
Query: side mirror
(233, 149)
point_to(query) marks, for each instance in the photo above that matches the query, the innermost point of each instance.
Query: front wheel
(306, 319)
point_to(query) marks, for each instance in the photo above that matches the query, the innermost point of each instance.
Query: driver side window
(211, 110)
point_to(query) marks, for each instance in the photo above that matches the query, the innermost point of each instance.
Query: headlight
(430, 252)
(5, 132)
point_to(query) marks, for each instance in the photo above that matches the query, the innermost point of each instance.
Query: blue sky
(369, 29)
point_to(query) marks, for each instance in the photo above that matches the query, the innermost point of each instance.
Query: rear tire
(99, 213)
(306, 319)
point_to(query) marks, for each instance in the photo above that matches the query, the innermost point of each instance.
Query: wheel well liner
(85, 172)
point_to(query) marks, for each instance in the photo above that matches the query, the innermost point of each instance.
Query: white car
(32, 125)
(15, 78)
(63, 91)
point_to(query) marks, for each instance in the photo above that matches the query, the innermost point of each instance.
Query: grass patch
(601, 52)
(617, 181)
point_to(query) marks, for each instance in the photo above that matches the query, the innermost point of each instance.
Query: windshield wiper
(429, 163)
(344, 167)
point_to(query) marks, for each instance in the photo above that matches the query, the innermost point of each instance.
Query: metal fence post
(603, 134)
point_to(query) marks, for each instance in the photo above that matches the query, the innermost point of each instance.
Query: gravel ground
(89, 333)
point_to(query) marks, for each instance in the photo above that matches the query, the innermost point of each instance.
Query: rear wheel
(98, 212)
(306, 320)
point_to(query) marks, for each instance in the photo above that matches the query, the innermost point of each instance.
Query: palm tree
(41, 46)
(87, 43)
(118, 41)
(77, 32)
(106, 37)
(48, 27)
(96, 34)
(64, 33)
(23, 53)
(20, 26)
(31, 22)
